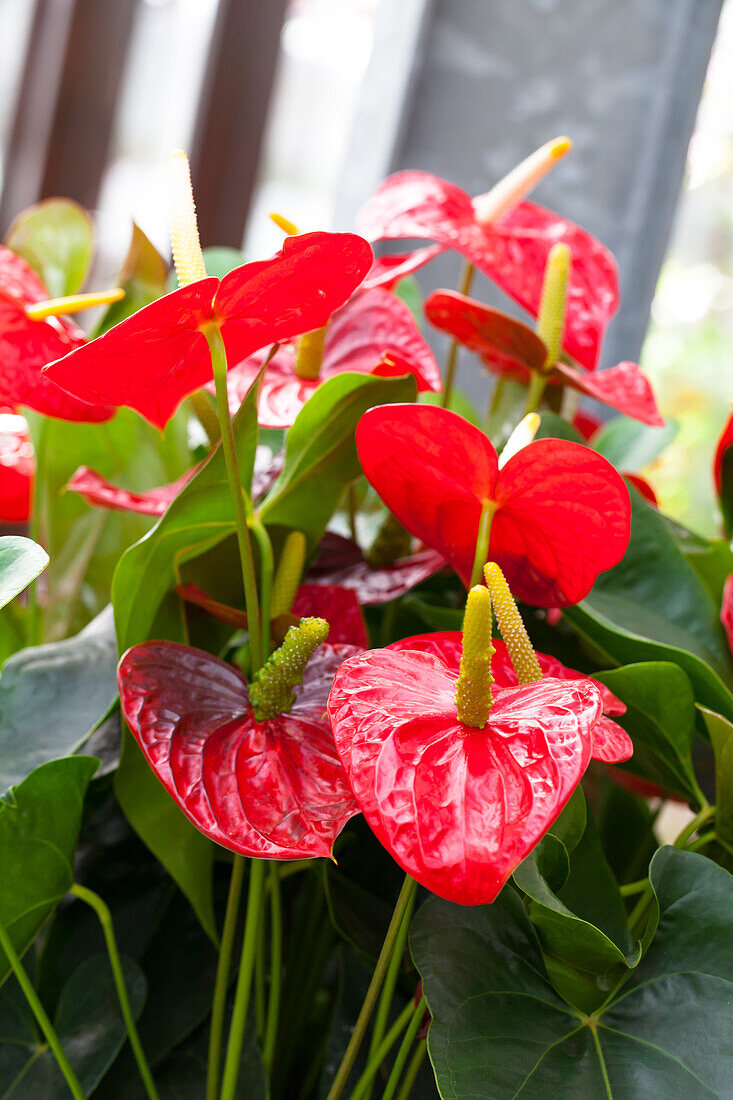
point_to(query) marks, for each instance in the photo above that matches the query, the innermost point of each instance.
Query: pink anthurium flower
(154, 359)
(341, 562)
(509, 347)
(560, 513)
(271, 788)
(27, 345)
(373, 333)
(458, 807)
(17, 468)
(512, 251)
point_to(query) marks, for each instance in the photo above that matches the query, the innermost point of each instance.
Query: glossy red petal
(494, 336)
(611, 743)
(623, 387)
(387, 271)
(563, 517)
(726, 611)
(17, 468)
(268, 789)
(457, 808)
(512, 252)
(339, 606)
(341, 562)
(432, 469)
(724, 442)
(101, 493)
(642, 486)
(150, 361)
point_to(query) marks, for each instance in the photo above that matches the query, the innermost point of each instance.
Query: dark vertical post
(232, 115)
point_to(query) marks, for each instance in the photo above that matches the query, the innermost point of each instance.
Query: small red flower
(611, 743)
(373, 333)
(154, 359)
(457, 807)
(17, 468)
(512, 251)
(26, 346)
(561, 511)
(509, 347)
(341, 562)
(725, 441)
(271, 789)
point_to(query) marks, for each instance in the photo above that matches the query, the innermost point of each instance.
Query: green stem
(702, 842)
(259, 982)
(276, 964)
(267, 570)
(40, 1014)
(219, 366)
(407, 1041)
(364, 1085)
(105, 919)
(244, 981)
(464, 285)
(353, 509)
(206, 416)
(390, 982)
(537, 384)
(631, 888)
(705, 813)
(408, 888)
(482, 541)
(496, 397)
(413, 1069)
(221, 985)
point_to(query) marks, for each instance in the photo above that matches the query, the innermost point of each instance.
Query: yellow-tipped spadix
(512, 628)
(289, 228)
(520, 181)
(551, 314)
(473, 693)
(185, 243)
(74, 303)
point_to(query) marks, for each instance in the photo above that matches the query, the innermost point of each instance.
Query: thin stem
(206, 416)
(221, 985)
(413, 1069)
(408, 888)
(464, 285)
(259, 981)
(537, 384)
(705, 813)
(364, 1085)
(219, 365)
(351, 504)
(407, 1041)
(482, 541)
(267, 570)
(105, 919)
(496, 396)
(276, 964)
(244, 981)
(631, 888)
(702, 842)
(40, 1014)
(390, 981)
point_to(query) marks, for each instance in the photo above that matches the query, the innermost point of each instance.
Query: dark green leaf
(52, 695)
(21, 560)
(570, 825)
(721, 736)
(500, 1031)
(56, 238)
(143, 279)
(629, 445)
(39, 824)
(320, 453)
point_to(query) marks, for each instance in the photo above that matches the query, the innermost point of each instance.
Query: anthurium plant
(354, 742)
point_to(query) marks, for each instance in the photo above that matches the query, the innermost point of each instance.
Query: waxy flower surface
(509, 347)
(341, 562)
(725, 442)
(154, 359)
(17, 468)
(274, 788)
(561, 513)
(511, 251)
(26, 346)
(458, 807)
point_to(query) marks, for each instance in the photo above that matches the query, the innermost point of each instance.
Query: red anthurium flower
(26, 346)
(561, 513)
(17, 468)
(274, 788)
(725, 441)
(101, 493)
(726, 612)
(511, 251)
(155, 358)
(611, 743)
(586, 424)
(388, 270)
(341, 562)
(509, 347)
(458, 807)
(374, 333)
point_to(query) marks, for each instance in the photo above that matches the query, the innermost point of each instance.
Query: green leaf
(629, 445)
(654, 607)
(51, 697)
(409, 291)
(39, 824)
(570, 825)
(143, 279)
(721, 736)
(56, 238)
(89, 1025)
(21, 560)
(500, 1031)
(320, 453)
(553, 426)
(660, 721)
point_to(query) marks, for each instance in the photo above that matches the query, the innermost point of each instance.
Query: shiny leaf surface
(21, 560)
(56, 238)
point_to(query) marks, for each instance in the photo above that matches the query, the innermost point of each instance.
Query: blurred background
(301, 106)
